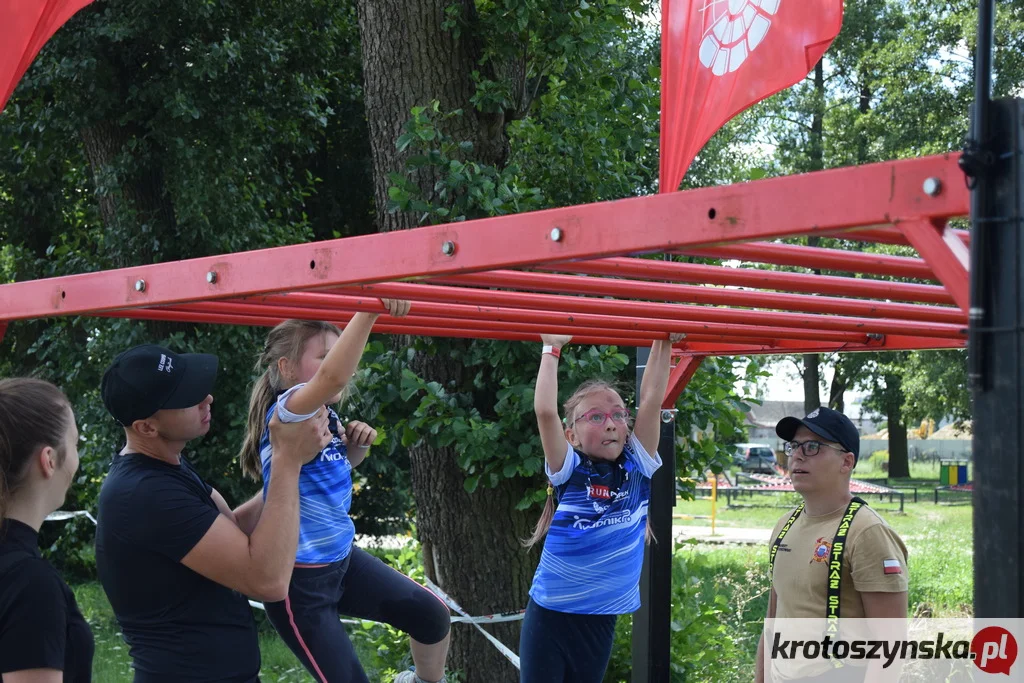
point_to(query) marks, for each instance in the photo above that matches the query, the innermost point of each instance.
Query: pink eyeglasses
(599, 417)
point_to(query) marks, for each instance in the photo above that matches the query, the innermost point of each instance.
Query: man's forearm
(275, 535)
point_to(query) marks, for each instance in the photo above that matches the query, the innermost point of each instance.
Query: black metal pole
(998, 427)
(994, 163)
(652, 644)
(976, 162)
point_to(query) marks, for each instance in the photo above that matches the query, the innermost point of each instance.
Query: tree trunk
(134, 203)
(816, 161)
(470, 542)
(409, 60)
(899, 463)
(837, 392)
(812, 379)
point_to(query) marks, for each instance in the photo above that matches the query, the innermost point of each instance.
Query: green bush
(718, 604)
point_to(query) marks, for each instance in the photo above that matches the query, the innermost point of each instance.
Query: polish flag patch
(892, 567)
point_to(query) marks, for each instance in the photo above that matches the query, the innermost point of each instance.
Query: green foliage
(935, 386)
(465, 188)
(488, 419)
(718, 602)
(152, 131)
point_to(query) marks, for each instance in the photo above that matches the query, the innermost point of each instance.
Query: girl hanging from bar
(599, 463)
(305, 365)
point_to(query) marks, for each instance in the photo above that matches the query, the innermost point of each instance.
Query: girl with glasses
(599, 464)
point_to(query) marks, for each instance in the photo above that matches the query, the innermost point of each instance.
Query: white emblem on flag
(732, 30)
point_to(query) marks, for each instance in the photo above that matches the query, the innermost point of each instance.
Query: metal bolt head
(556, 234)
(140, 285)
(932, 187)
(448, 248)
(667, 416)
(211, 277)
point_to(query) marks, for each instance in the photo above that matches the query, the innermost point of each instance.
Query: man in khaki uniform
(823, 449)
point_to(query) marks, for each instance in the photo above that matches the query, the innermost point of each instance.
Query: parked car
(754, 457)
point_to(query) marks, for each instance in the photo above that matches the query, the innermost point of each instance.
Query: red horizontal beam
(815, 203)
(888, 236)
(303, 303)
(548, 302)
(629, 289)
(817, 258)
(525, 330)
(384, 328)
(758, 279)
(784, 347)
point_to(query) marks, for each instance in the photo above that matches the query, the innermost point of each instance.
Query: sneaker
(411, 677)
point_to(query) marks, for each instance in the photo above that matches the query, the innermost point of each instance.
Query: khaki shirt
(800, 577)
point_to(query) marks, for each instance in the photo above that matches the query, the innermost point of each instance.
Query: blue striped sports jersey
(326, 531)
(594, 550)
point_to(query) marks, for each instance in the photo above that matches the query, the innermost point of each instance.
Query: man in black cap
(174, 560)
(832, 556)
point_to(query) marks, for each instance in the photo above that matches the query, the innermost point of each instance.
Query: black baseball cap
(148, 378)
(826, 423)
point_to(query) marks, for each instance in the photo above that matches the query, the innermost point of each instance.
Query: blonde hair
(287, 340)
(569, 409)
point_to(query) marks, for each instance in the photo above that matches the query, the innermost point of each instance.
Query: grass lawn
(720, 595)
(111, 663)
(939, 540)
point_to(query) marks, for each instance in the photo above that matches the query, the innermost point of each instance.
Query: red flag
(719, 57)
(25, 26)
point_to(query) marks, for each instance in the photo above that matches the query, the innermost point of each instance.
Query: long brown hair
(33, 414)
(569, 409)
(287, 340)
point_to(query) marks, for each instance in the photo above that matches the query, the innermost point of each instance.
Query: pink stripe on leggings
(298, 636)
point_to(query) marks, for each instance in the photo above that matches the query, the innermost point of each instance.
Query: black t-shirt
(40, 625)
(179, 625)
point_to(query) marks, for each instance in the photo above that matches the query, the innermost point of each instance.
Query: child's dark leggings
(557, 647)
(360, 586)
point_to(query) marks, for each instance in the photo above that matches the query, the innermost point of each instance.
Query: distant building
(761, 420)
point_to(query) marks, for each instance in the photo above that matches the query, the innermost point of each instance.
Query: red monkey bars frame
(481, 278)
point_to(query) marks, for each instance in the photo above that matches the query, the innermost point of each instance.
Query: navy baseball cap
(826, 423)
(148, 378)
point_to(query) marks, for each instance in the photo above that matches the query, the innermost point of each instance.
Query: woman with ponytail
(304, 366)
(599, 471)
(43, 637)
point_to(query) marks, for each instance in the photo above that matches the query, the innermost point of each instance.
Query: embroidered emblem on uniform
(822, 550)
(892, 567)
(598, 491)
(813, 414)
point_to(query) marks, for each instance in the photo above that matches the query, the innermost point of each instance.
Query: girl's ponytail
(544, 523)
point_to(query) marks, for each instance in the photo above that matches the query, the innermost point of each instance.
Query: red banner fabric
(719, 57)
(25, 26)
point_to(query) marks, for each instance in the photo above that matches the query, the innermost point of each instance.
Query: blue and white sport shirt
(326, 531)
(594, 550)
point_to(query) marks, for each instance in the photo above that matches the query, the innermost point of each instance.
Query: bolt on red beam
(486, 312)
(628, 289)
(818, 258)
(649, 269)
(706, 314)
